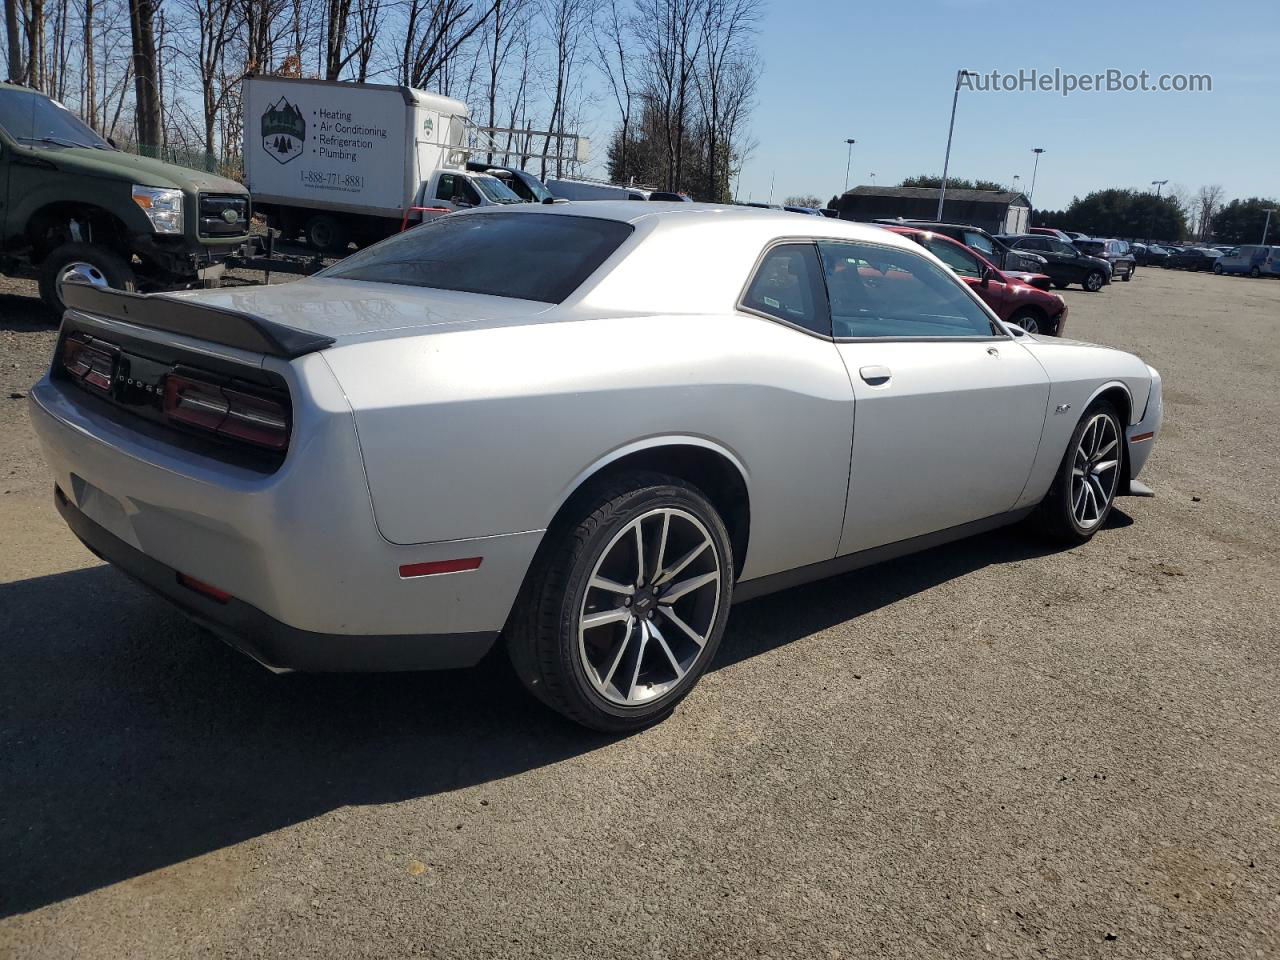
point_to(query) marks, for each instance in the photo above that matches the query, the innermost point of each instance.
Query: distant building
(996, 211)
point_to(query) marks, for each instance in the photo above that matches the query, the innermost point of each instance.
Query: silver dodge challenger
(584, 428)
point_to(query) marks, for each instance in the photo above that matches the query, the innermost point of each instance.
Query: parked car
(828, 212)
(1051, 232)
(1063, 261)
(321, 471)
(73, 208)
(1194, 258)
(1013, 301)
(1256, 261)
(1075, 235)
(1149, 254)
(984, 243)
(1115, 252)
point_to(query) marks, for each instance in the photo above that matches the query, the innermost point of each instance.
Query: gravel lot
(989, 749)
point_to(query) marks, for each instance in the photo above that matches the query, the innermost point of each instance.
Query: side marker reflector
(1139, 437)
(199, 586)
(437, 567)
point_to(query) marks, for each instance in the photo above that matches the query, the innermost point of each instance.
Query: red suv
(1013, 300)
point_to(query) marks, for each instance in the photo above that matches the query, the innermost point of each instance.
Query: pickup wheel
(625, 604)
(324, 232)
(82, 263)
(1088, 478)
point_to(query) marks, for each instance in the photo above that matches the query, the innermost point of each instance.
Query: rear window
(526, 256)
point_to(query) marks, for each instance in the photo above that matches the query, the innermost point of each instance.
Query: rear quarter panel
(488, 431)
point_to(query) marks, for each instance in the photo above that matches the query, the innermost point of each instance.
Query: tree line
(163, 77)
(1178, 215)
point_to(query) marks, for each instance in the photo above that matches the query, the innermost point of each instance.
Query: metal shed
(996, 211)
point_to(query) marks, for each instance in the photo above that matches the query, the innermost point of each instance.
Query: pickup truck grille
(223, 216)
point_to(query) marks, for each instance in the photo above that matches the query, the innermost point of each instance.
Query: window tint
(444, 189)
(979, 242)
(883, 292)
(1057, 246)
(964, 263)
(1033, 243)
(35, 120)
(529, 256)
(788, 286)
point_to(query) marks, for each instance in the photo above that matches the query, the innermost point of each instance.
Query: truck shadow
(130, 741)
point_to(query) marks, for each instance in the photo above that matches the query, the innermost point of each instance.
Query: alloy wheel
(650, 607)
(1095, 471)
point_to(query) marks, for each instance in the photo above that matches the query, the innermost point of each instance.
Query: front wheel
(1094, 281)
(82, 263)
(1217, 268)
(625, 605)
(1029, 320)
(1085, 487)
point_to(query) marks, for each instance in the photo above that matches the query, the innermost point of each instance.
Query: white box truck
(349, 161)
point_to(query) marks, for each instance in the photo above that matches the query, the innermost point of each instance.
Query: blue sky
(883, 73)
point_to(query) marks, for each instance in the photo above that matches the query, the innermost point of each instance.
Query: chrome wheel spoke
(617, 658)
(688, 631)
(656, 634)
(662, 543)
(666, 576)
(640, 574)
(635, 673)
(604, 583)
(678, 590)
(1104, 466)
(604, 617)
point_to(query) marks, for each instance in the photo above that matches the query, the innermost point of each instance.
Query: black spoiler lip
(231, 328)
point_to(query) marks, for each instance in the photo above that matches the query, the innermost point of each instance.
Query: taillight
(226, 411)
(89, 362)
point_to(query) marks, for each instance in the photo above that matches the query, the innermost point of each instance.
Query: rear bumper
(274, 644)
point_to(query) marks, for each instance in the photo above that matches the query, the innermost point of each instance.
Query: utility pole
(1151, 220)
(1266, 225)
(946, 160)
(848, 160)
(1034, 170)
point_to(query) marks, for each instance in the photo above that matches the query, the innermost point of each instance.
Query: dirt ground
(992, 749)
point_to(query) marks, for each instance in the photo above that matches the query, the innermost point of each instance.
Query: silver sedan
(583, 429)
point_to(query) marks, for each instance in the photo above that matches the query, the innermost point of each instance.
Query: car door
(965, 265)
(1059, 272)
(1075, 265)
(948, 409)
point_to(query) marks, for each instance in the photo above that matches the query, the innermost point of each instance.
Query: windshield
(540, 193)
(528, 256)
(494, 190)
(35, 120)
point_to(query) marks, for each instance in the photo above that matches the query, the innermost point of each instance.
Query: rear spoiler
(190, 318)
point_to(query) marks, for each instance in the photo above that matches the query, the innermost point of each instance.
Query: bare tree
(671, 40)
(1207, 202)
(435, 32)
(507, 25)
(566, 22)
(612, 37)
(145, 72)
(728, 26)
(14, 16)
(89, 86)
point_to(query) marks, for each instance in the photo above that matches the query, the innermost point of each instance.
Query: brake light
(230, 413)
(89, 362)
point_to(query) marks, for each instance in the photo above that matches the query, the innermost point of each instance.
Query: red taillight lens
(230, 413)
(89, 363)
(199, 586)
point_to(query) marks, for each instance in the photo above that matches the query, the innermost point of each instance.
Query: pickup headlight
(162, 206)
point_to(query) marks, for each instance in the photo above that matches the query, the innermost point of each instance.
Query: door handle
(876, 376)
(993, 351)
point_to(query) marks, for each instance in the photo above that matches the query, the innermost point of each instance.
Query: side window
(979, 242)
(466, 192)
(444, 190)
(896, 294)
(788, 286)
(1057, 246)
(964, 263)
(1033, 243)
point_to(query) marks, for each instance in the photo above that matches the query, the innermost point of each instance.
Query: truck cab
(73, 208)
(464, 189)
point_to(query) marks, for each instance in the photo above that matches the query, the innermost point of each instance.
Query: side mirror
(987, 276)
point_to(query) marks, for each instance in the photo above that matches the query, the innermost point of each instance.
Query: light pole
(1034, 170)
(848, 160)
(1016, 178)
(946, 160)
(873, 179)
(1266, 224)
(1151, 222)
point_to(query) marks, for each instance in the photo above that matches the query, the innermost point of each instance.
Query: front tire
(82, 263)
(1255, 272)
(1093, 281)
(1217, 268)
(1030, 321)
(625, 604)
(1088, 479)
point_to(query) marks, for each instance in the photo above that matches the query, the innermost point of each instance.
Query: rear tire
(1088, 479)
(325, 233)
(95, 265)
(599, 632)
(1061, 285)
(1255, 272)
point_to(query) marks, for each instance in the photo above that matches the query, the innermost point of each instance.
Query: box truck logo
(283, 131)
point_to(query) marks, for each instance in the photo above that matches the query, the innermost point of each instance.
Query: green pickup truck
(75, 209)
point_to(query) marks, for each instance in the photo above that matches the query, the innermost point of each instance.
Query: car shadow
(19, 313)
(130, 740)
